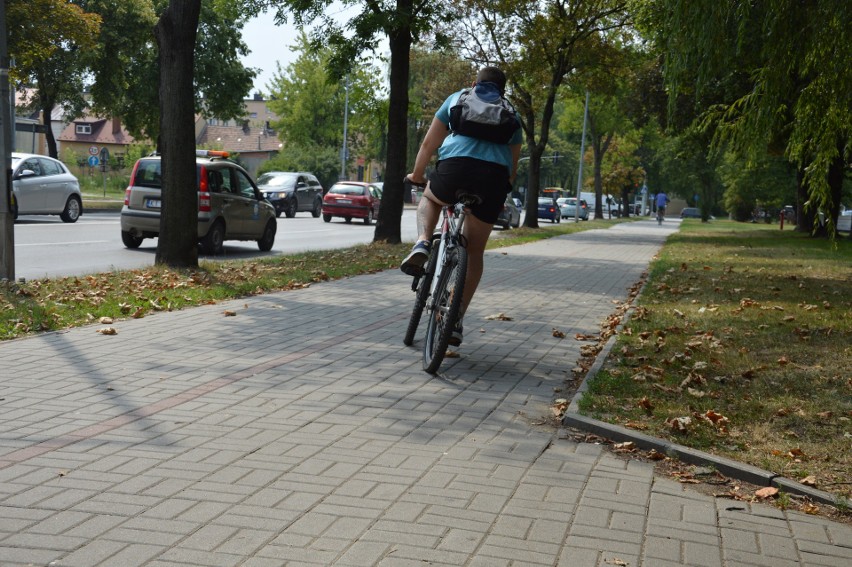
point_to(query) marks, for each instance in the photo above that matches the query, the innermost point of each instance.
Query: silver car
(42, 185)
(230, 206)
(568, 206)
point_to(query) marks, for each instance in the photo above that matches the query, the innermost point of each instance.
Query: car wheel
(265, 242)
(214, 240)
(129, 240)
(347, 219)
(326, 218)
(369, 218)
(291, 208)
(277, 213)
(73, 209)
(317, 208)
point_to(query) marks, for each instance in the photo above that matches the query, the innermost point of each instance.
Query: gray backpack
(491, 121)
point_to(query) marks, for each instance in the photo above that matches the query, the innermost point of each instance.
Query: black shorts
(487, 179)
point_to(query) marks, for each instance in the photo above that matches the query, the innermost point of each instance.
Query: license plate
(344, 200)
(153, 203)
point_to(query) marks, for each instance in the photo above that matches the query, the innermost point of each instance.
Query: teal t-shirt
(457, 145)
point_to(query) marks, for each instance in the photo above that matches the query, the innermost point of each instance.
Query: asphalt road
(47, 247)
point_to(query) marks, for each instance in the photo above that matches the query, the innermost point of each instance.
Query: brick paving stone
(302, 432)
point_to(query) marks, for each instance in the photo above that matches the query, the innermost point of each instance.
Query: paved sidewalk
(302, 432)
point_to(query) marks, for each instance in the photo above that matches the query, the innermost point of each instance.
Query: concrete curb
(728, 467)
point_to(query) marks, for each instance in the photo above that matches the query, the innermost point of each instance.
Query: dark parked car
(510, 215)
(291, 192)
(690, 213)
(352, 199)
(548, 209)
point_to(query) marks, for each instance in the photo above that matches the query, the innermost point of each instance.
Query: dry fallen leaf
(646, 405)
(229, 313)
(107, 331)
(809, 508)
(498, 317)
(679, 424)
(105, 320)
(559, 406)
(558, 334)
(452, 354)
(783, 361)
(625, 446)
(767, 492)
(655, 455)
(809, 480)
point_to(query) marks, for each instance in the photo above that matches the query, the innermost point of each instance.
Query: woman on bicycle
(466, 164)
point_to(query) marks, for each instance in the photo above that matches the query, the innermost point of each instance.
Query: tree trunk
(177, 245)
(46, 112)
(804, 222)
(388, 227)
(533, 184)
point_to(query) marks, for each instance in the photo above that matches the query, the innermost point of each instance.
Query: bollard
(782, 219)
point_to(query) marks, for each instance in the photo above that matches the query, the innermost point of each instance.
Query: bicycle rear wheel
(423, 285)
(445, 309)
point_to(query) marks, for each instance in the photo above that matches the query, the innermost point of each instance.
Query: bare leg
(477, 233)
(428, 212)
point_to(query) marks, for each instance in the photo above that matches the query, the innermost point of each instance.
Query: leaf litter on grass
(734, 352)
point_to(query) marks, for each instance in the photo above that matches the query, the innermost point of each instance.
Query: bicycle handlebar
(409, 183)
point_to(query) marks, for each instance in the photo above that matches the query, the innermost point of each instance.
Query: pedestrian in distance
(467, 163)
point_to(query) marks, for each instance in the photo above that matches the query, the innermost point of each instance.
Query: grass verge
(740, 346)
(58, 303)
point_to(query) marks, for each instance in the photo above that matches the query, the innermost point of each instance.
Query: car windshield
(276, 180)
(545, 201)
(347, 189)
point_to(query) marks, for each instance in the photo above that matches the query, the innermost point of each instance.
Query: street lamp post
(580, 169)
(7, 223)
(343, 151)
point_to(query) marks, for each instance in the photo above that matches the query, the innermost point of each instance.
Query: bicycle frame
(451, 229)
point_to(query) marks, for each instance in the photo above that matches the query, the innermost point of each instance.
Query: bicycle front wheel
(422, 294)
(445, 309)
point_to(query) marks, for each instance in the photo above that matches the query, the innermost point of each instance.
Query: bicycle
(661, 212)
(440, 287)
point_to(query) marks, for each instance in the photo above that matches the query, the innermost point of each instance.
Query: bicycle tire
(422, 294)
(445, 310)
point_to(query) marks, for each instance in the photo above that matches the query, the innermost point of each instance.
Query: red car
(352, 200)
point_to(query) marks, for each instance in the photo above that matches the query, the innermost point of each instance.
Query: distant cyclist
(662, 202)
(466, 164)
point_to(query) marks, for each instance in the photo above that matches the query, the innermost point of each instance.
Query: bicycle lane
(314, 437)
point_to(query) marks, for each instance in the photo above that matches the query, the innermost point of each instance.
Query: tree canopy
(779, 73)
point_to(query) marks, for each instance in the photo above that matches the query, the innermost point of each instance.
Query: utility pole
(582, 151)
(7, 223)
(344, 152)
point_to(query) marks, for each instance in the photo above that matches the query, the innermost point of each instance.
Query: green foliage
(765, 75)
(769, 183)
(311, 105)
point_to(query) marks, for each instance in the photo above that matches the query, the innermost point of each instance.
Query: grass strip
(740, 346)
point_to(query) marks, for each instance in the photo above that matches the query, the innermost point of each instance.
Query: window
(50, 167)
(84, 128)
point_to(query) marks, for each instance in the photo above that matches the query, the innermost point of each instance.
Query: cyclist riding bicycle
(466, 164)
(662, 201)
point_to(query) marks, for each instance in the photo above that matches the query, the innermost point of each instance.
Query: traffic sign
(93, 161)
(94, 150)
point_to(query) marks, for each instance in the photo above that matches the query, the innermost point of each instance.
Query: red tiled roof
(103, 132)
(237, 139)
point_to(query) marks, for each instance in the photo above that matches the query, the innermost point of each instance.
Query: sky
(270, 44)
